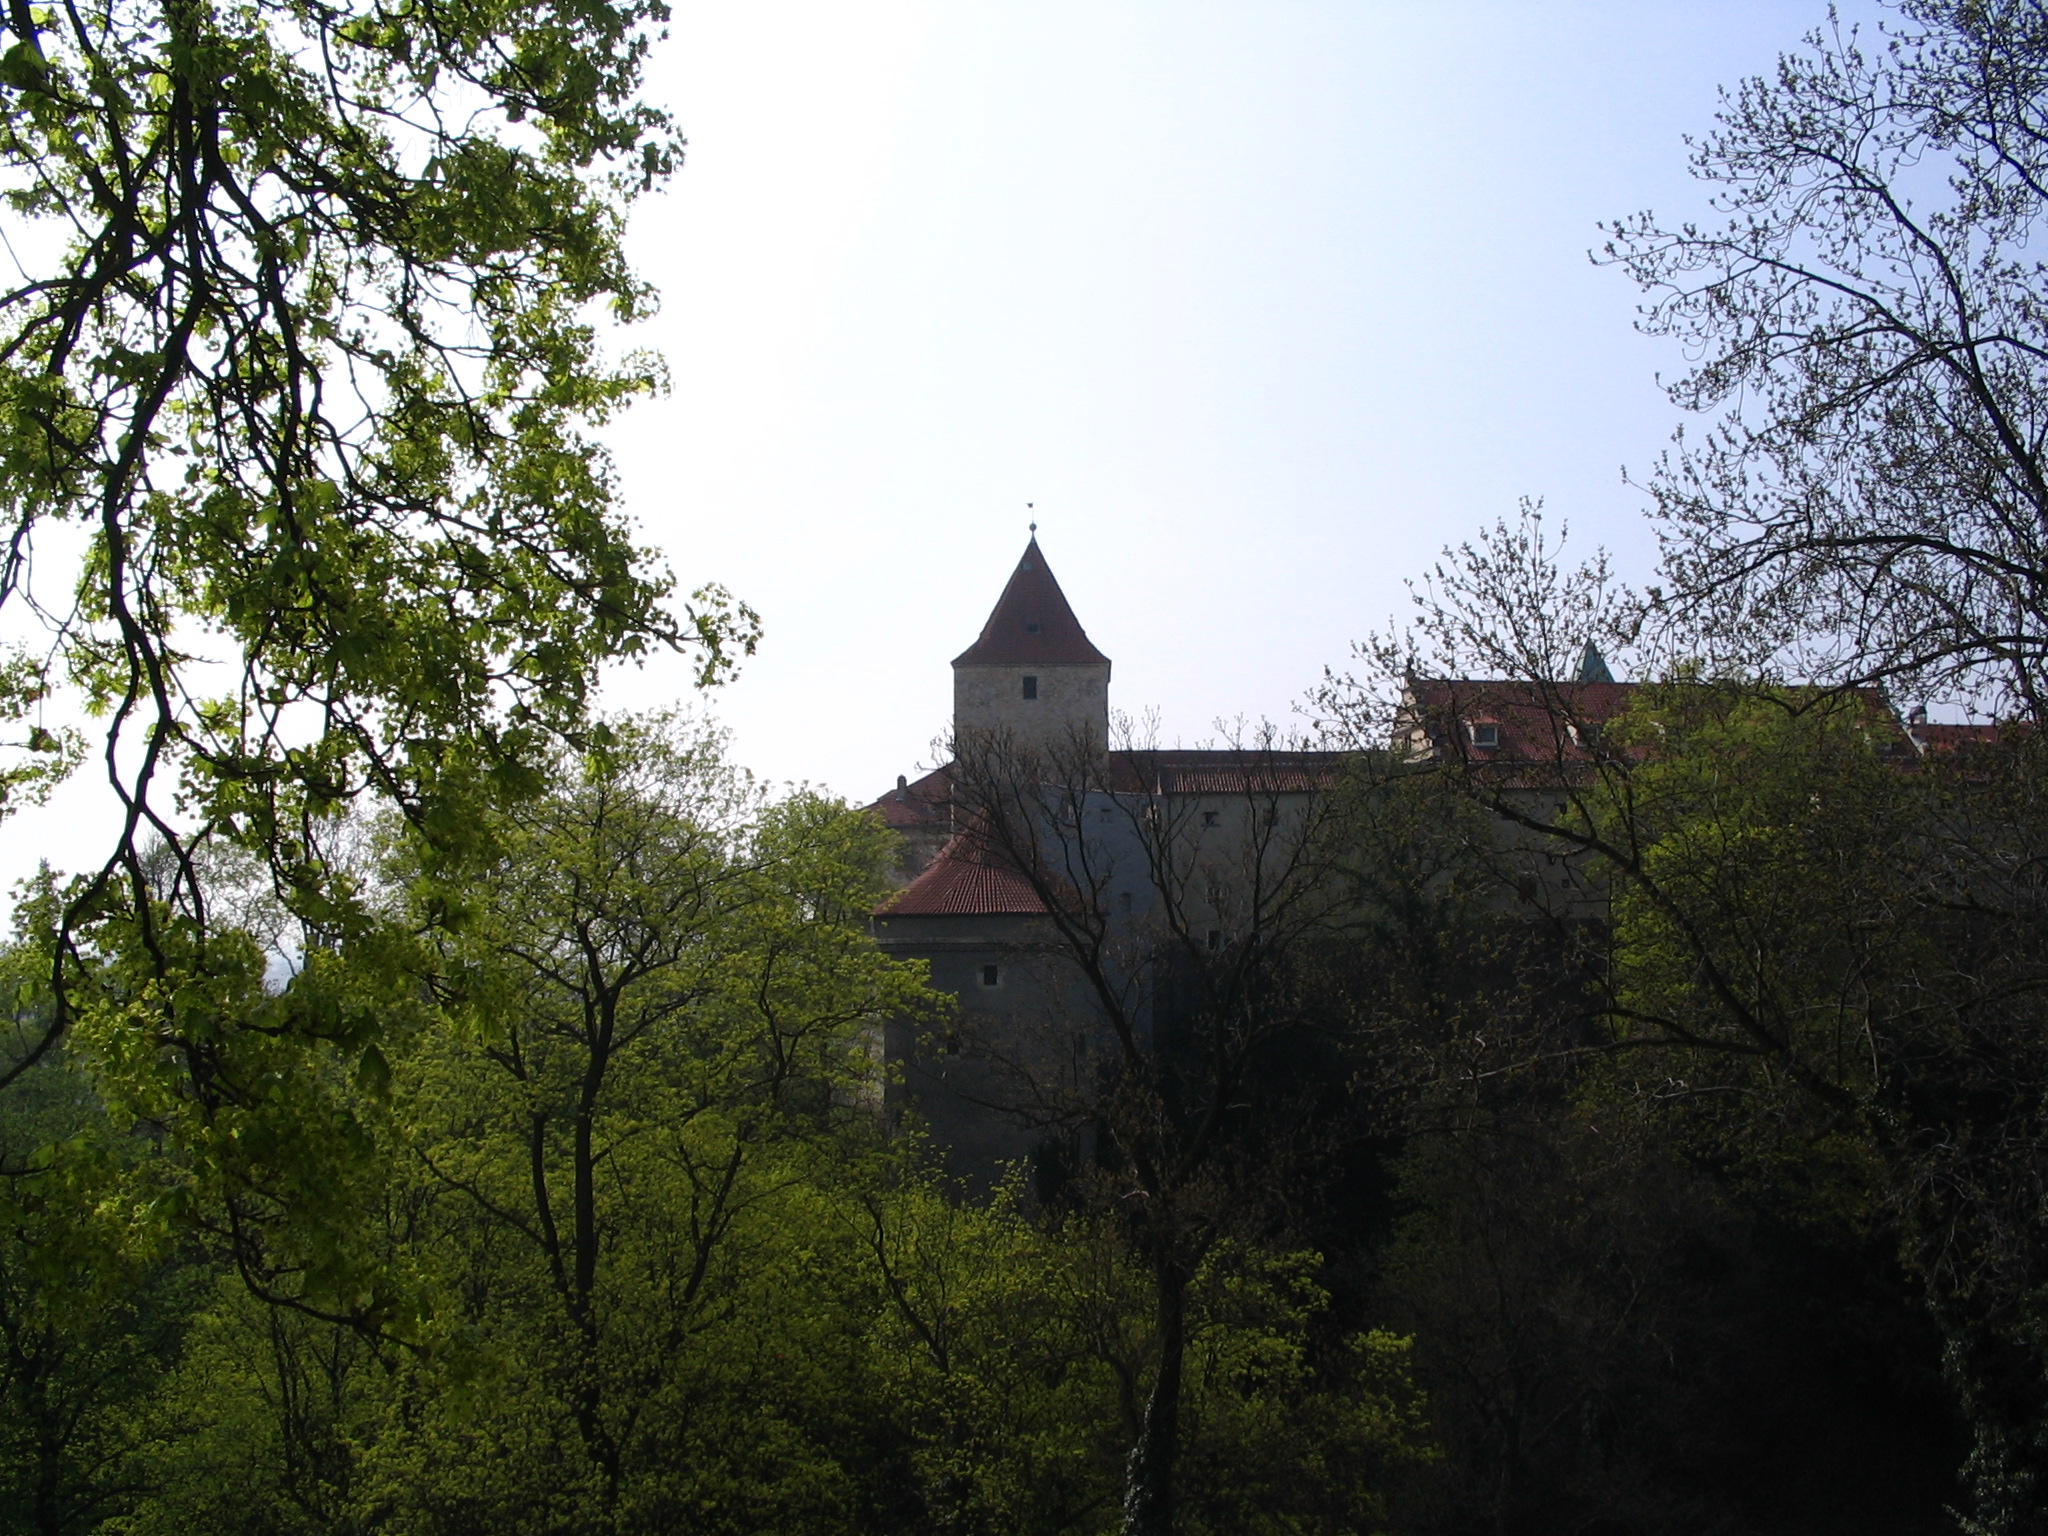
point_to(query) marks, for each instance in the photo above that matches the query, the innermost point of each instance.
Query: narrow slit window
(1030, 687)
(1215, 938)
(990, 975)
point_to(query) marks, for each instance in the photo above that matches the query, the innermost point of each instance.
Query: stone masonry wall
(991, 700)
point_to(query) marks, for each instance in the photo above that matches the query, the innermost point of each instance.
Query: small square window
(1030, 687)
(1032, 626)
(1485, 736)
(990, 975)
(1208, 818)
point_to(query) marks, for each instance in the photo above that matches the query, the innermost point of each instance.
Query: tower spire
(1031, 622)
(1032, 674)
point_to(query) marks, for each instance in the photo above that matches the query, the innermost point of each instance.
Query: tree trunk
(1148, 1475)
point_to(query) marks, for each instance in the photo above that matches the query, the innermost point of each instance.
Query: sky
(1255, 306)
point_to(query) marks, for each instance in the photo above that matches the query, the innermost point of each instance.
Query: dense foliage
(654, 1259)
(439, 1111)
(299, 505)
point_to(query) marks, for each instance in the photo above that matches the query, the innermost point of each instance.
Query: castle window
(1215, 938)
(1030, 687)
(1208, 818)
(990, 975)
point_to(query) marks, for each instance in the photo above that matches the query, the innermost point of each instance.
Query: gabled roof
(1532, 722)
(962, 882)
(921, 805)
(1032, 624)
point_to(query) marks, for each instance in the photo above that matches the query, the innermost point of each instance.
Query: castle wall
(1018, 1054)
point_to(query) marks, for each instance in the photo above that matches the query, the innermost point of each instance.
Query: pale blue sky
(1261, 304)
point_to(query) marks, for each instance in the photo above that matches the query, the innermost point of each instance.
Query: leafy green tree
(1854, 939)
(670, 1003)
(1786, 901)
(263, 1419)
(293, 397)
(672, 1269)
(95, 1292)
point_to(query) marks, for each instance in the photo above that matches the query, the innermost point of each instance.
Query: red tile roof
(959, 883)
(1558, 723)
(1031, 624)
(1942, 739)
(920, 805)
(1530, 719)
(1532, 722)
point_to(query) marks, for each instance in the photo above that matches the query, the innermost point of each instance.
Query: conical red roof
(1032, 624)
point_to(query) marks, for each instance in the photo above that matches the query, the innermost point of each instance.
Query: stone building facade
(996, 1085)
(1166, 845)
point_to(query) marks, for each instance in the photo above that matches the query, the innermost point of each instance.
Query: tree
(669, 995)
(92, 1307)
(665, 1262)
(1851, 938)
(1872, 504)
(1787, 903)
(1187, 929)
(292, 395)
(1638, 1308)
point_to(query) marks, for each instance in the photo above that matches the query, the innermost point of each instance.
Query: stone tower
(1032, 675)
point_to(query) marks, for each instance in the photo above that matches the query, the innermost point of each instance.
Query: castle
(1046, 867)
(1031, 704)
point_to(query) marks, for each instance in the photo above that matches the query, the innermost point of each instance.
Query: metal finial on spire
(1027, 507)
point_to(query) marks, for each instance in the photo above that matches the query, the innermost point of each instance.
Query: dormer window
(1030, 687)
(1485, 735)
